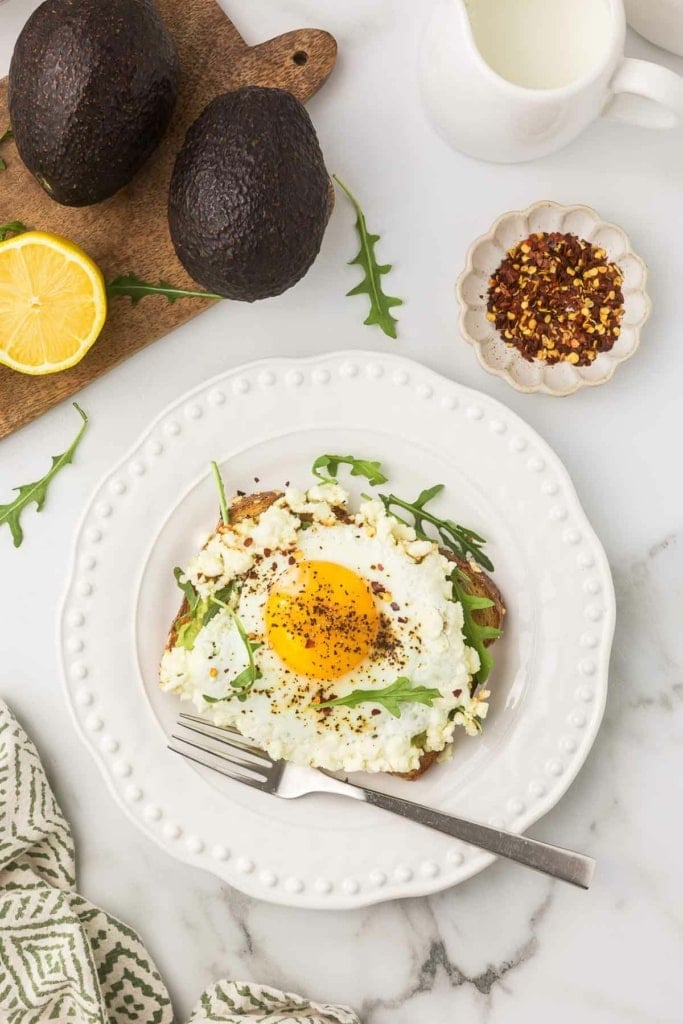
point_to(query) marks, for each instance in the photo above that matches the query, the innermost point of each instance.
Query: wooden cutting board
(129, 233)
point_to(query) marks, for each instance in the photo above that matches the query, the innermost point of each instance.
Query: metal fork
(226, 751)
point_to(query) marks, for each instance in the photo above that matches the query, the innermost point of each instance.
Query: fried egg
(331, 603)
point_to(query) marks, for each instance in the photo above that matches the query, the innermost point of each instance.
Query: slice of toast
(481, 585)
(250, 506)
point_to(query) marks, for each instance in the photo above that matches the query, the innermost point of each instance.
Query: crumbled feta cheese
(331, 493)
(419, 549)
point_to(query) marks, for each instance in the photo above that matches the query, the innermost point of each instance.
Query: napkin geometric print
(233, 1003)
(61, 959)
(64, 960)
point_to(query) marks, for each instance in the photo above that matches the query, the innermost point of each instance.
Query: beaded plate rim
(241, 868)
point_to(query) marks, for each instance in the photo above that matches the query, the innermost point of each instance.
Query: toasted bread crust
(250, 506)
(247, 506)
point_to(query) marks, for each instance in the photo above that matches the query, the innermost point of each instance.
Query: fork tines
(226, 751)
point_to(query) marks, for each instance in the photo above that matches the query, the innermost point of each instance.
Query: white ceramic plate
(270, 420)
(486, 255)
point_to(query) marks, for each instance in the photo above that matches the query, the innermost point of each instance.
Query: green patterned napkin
(64, 960)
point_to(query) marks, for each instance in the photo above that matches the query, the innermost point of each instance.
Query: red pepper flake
(267, 552)
(394, 606)
(376, 711)
(291, 560)
(248, 541)
(310, 643)
(456, 693)
(377, 587)
(557, 298)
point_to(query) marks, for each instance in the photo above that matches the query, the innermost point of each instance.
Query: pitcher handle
(642, 78)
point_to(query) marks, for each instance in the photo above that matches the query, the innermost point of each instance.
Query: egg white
(280, 714)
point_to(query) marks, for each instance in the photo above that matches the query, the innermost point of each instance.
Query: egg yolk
(321, 619)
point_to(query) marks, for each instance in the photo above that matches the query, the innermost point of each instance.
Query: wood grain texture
(129, 232)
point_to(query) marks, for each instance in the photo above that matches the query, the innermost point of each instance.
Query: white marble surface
(508, 946)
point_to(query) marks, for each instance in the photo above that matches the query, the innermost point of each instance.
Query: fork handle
(550, 860)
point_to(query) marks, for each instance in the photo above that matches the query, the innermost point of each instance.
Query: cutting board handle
(300, 61)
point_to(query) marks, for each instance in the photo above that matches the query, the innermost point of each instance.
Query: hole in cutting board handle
(300, 58)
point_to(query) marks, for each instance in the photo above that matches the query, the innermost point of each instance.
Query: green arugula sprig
(132, 287)
(326, 468)
(5, 137)
(14, 227)
(200, 611)
(37, 492)
(391, 697)
(463, 542)
(460, 540)
(476, 636)
(243, 683)
(225, 512)
(371, 285)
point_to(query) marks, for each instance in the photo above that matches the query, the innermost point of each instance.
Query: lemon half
(53, 303)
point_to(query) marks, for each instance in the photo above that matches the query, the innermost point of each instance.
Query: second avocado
(250, 196)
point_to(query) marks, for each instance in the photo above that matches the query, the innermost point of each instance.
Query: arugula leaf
(191, 595)
(371, 285)
(251, 674)
(9, 134)
(372, 471)
(391, 697)
(135, 289)
(475, 635)
(242, 683)
(37, 492)
(225, 514)
(201, 611)
(15, 227)
(463, 542)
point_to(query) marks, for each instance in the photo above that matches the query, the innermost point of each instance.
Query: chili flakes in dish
(558, 298)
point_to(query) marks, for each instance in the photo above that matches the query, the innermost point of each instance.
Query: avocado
(250, 196)
(92, 87)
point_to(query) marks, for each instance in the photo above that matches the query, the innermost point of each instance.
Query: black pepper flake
(557, 298)
(310, 643)
(376, 711)
(394, 606)
(267, 552)
(456, 693)
(291, 560)
(248, 541)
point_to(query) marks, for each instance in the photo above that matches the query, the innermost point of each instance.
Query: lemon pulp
(52, 303)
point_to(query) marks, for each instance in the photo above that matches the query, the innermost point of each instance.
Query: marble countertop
(508, 946)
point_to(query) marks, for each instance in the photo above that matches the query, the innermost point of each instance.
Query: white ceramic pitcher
(660, 21)
(512, 80)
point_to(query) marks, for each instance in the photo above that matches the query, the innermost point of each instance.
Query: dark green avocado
(250, 196)
(92, 87)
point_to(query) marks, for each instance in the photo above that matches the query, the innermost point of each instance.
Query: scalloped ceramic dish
(483, 260)
(271, 420)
